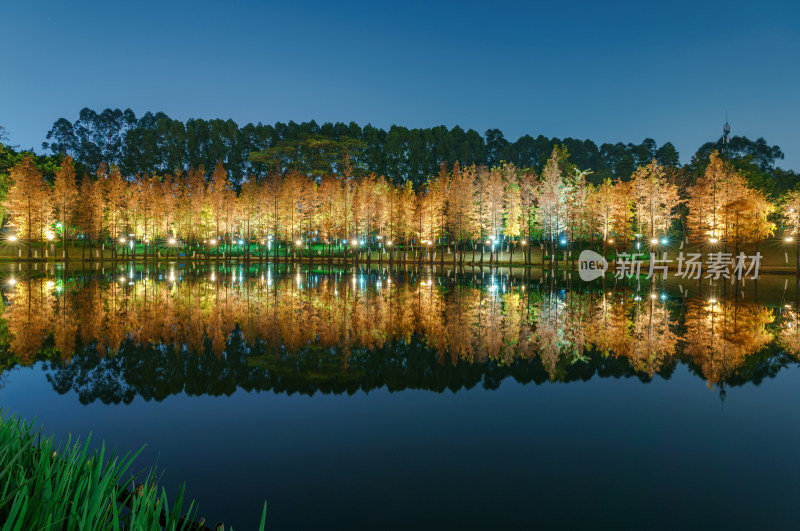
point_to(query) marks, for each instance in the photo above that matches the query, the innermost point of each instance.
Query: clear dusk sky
(617, 72)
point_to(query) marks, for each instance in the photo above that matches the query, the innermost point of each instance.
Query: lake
(418, 397)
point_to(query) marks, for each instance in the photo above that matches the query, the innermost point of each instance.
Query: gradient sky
(668, 70)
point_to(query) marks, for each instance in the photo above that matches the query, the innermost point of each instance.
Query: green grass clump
(74, 488)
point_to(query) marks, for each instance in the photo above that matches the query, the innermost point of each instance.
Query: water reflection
(115, 335)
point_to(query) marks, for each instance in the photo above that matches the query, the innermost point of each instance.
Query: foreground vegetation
(45, 486)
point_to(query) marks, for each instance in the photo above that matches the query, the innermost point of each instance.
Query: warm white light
(12, 238)
(298, 243)
(354, 242)
(213, 241)
(430, 243)
(523, 242)
(146, 240)
(713, 240)
(122, 279)
(488, 242)
(12, 281)
(122, 240)
(712, 301)
(49, 235)
(789, 239)
(389, 243)
(171, 241)
(610, 241)
(654, 241)
(653, 296)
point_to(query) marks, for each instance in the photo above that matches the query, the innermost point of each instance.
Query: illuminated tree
(461, 206)
(655, 200)
(65, 195)
(192, 201)
(115, 193)
(622, 212)
(150, 195)
(493, 193)
(270, 197)
(710, 198)
(382, 211)
(512, 208)
(552, 202)
(748, 217)
(218, 197)
(29, 201)
(91, 206)
(577, 212)
(790, 216)
(329, 202)
(165, 207)
(293, 207)
(602, 201)
(481, 176)
(529, 192)
(250, 206)
(405, 215)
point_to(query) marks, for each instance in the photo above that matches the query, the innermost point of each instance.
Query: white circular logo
(591, 265)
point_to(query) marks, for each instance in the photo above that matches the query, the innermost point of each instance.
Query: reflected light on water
(556, 329)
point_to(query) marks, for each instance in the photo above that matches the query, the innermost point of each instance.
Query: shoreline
(572, 266)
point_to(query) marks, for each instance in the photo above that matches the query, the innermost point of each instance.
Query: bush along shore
(70, 487)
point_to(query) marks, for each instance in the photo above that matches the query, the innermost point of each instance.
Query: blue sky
(618, 72)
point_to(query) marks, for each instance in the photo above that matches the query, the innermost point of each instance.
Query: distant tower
(726, 138)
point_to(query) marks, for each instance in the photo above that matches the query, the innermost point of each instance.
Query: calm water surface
(356, 398)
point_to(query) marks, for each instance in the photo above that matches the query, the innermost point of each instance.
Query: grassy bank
(70, 487)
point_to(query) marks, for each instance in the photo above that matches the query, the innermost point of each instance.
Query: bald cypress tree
(65, 195)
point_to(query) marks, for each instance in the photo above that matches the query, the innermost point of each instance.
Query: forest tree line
(156, 144)
(485, 209)
(315, 191)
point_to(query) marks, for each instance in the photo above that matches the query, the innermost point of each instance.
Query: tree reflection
(156, 333)
(720, 335)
